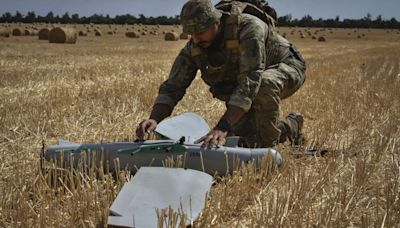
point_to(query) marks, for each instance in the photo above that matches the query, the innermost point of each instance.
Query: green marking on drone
(175, 148)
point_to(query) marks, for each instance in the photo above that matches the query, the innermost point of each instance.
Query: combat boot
(292, 128)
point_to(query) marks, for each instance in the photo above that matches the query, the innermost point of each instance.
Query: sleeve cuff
(241, 102)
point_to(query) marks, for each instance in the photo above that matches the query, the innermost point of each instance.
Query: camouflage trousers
(261, 127)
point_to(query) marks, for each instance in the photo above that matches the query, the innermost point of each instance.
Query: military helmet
(198, 15)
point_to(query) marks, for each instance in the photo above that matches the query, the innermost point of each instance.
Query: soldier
(246, 64)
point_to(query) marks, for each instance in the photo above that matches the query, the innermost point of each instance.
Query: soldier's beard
(208, 43)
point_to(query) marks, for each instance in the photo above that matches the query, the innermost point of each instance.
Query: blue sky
(298, 8)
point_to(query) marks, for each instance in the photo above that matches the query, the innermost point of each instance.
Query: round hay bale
(63, 35)
(34, 32)
(17, 32)
(5, 33)
(144, 33)
(321, 39)
(171, 36)
(97, 32)
(184, 36)
(44, 34)
(27, 32)
(132, 34)
(82, 33)
(313, 37)
(110, 33)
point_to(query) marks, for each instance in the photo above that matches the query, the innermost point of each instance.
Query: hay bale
(184, 36)
(27, 32)
(44, 34)
(110, 33)
(97, 32)
(17, 32)
(5, 33)
(34, 32)
(313, 37)
(171, 36)
(144, 33)
(63, 35)
(82, 33)
(321, 39)
(132, 34)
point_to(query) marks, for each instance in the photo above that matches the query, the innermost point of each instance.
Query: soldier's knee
(294, 71)
(270, 90)
(272, 82)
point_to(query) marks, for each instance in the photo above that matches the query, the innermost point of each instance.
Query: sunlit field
(100, 88)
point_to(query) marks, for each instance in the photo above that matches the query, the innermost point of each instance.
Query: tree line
(287, 20)
(66, 18)
(365, 22)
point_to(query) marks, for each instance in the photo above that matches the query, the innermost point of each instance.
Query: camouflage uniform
(249, 66)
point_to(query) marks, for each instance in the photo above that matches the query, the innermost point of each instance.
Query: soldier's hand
(213, 138)
(146, 126)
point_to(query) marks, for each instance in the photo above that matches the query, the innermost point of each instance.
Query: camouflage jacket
(234, 77)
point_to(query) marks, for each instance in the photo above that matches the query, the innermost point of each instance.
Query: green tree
(75, 18)
(30, 17)
(49, 18)
(66, 19)
(6, 17)
(18, 17)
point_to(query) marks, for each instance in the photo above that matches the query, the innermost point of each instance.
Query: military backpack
(258, 8)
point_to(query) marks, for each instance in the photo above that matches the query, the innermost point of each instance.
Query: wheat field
(100, 88)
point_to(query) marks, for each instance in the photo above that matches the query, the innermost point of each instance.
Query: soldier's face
(204, 39)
